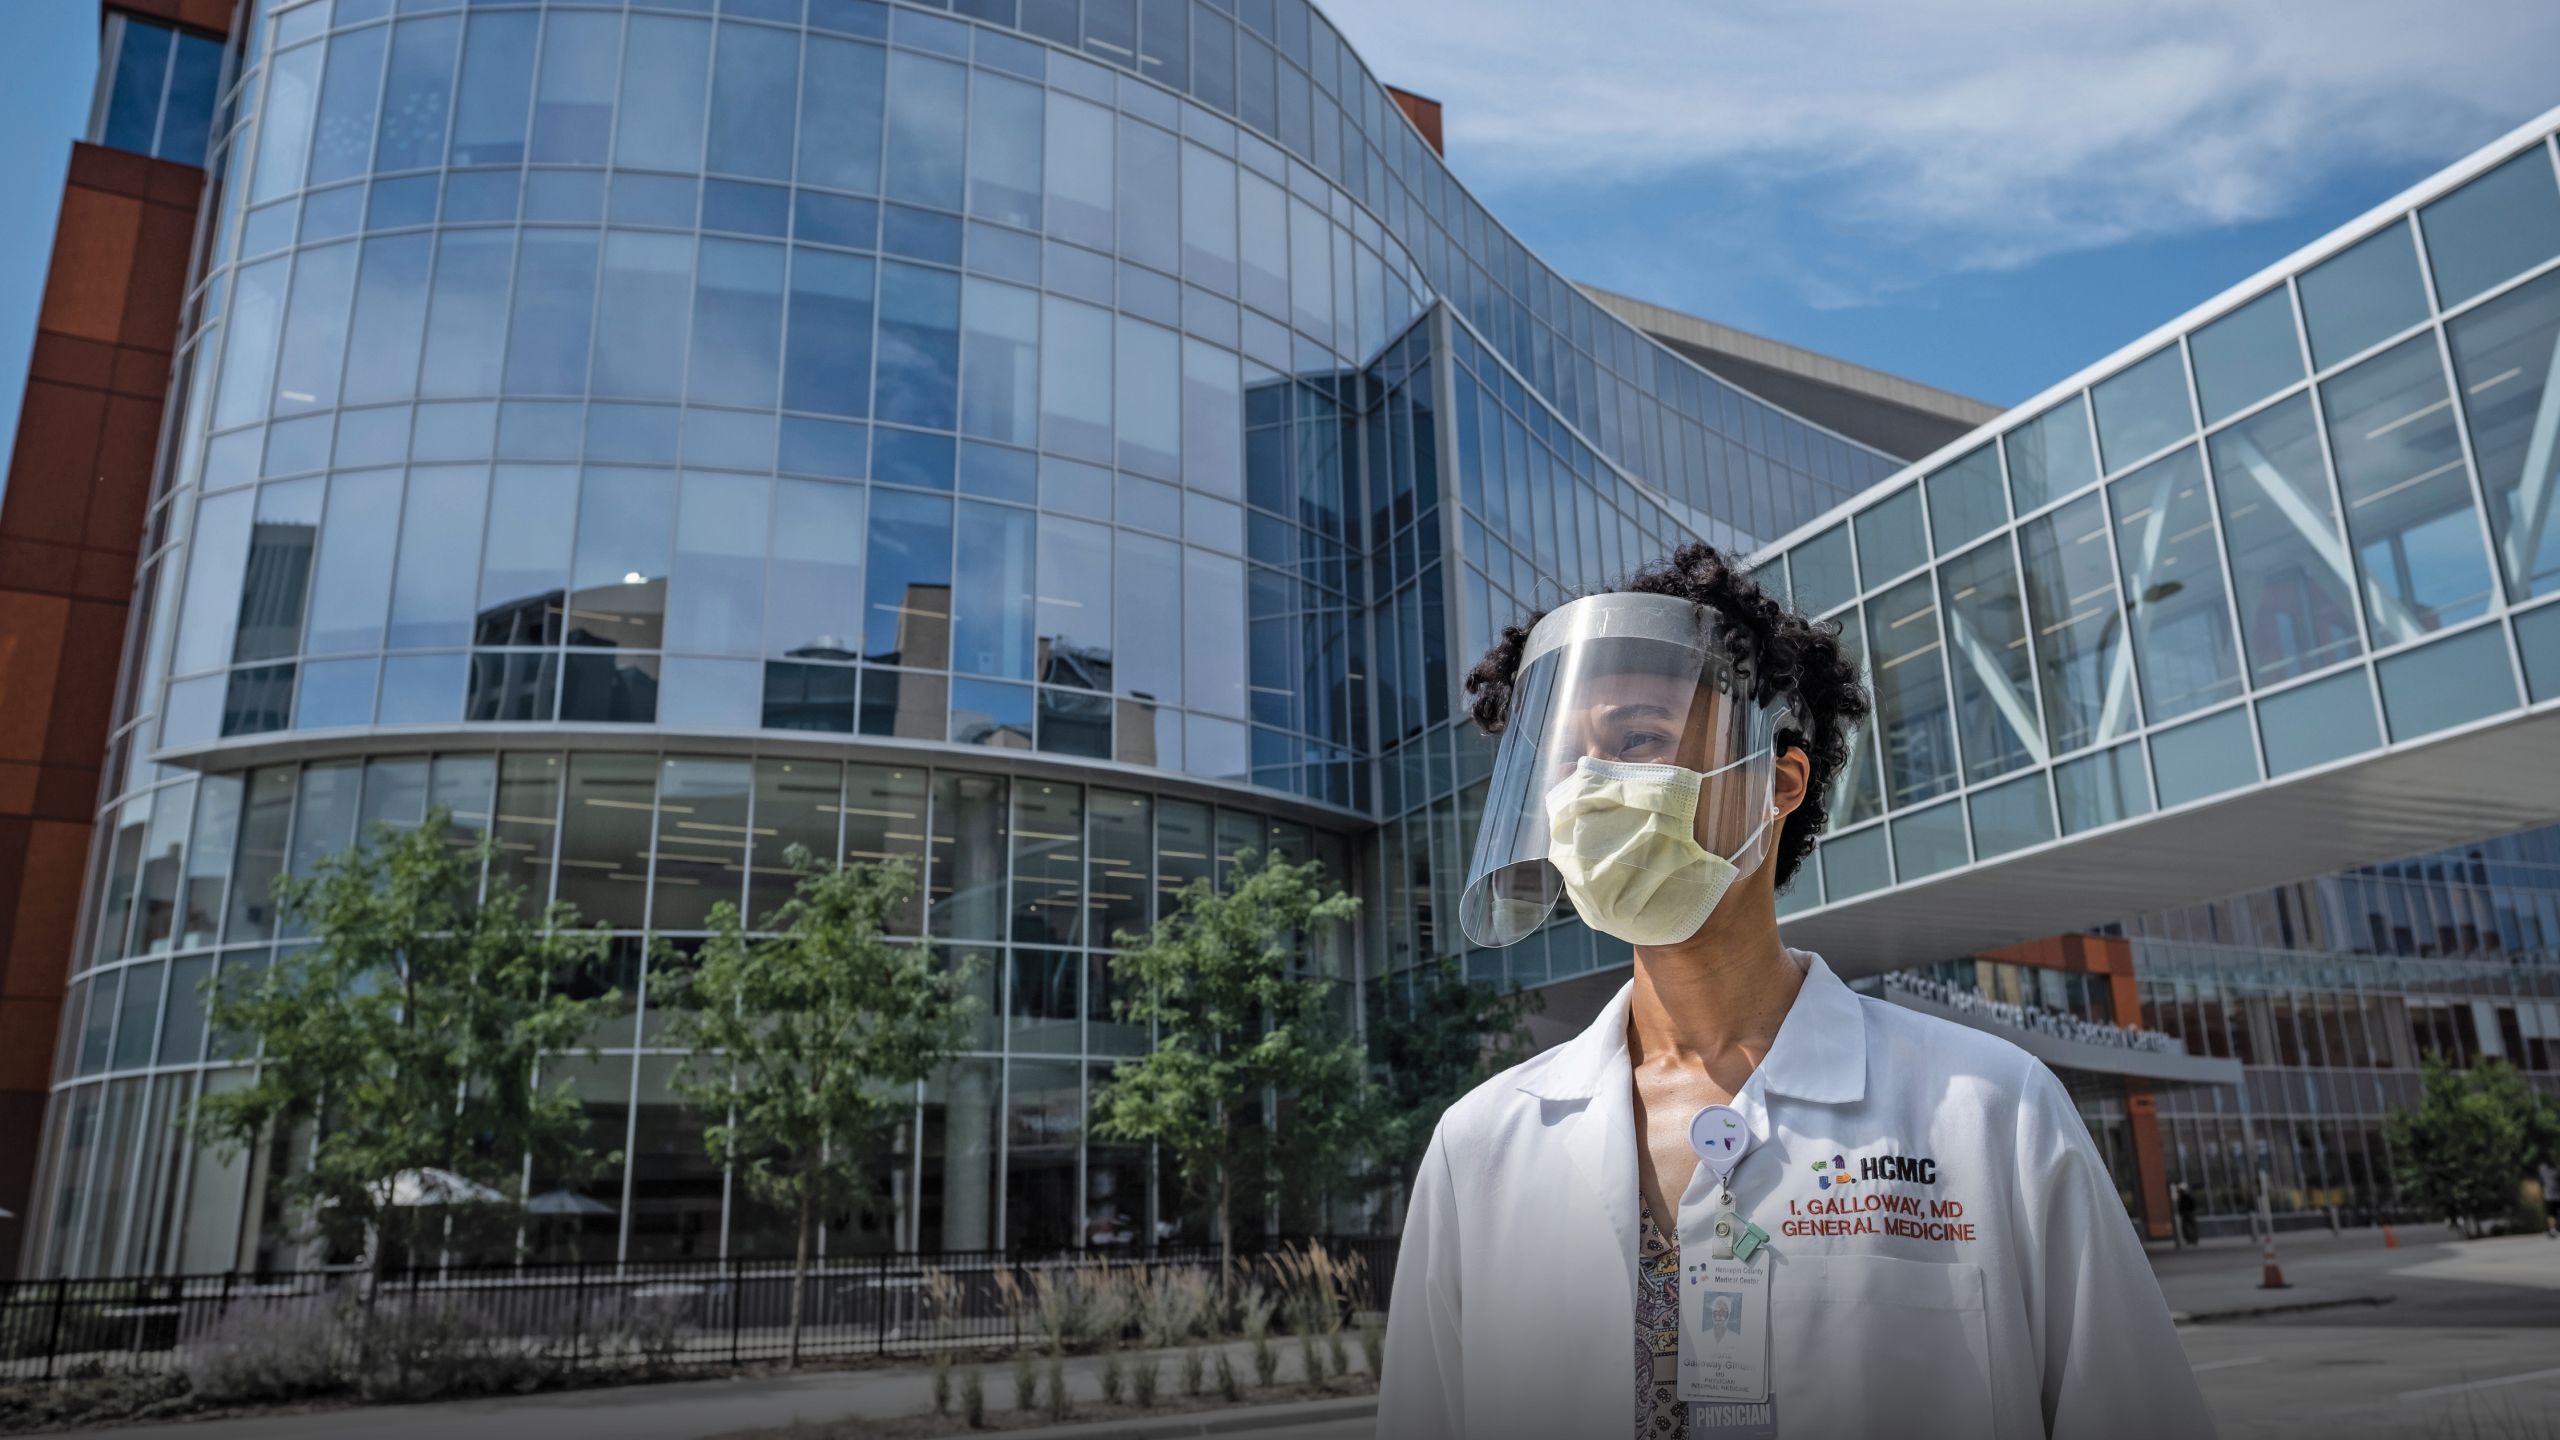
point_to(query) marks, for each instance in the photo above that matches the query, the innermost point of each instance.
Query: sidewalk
(2219, 1280)
(698, 1409)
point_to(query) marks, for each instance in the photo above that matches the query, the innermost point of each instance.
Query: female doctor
(1746, 1200)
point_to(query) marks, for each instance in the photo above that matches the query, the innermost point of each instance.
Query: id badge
(1724, 1330)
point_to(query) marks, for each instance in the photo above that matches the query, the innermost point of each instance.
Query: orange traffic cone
(2389, 1240)
(2273, 1276)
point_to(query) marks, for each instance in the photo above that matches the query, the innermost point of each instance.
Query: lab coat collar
(1820, 1054)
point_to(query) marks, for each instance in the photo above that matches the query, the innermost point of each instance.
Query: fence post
(53, 1342)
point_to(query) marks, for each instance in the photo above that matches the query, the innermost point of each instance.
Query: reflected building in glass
(1058, 445)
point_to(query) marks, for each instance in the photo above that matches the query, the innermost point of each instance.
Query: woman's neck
(1714, 1002)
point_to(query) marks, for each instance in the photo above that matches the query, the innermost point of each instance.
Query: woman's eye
(1640, 742)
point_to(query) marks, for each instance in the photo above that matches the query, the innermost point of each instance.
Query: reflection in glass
(2102, 788)
(1987, 653)
(618, 576)
(884, 822)
(1911, 693)
(2408, 500)
(639, 352)
(389, 321)
(737, 324)
(1965, 499)
(1048, 865)
(999, 361)
(715, 595)
(828, 367)
(841, 95)
(1077, 170)
(1858, 794)
(701, 849)
(2143, 408)
(497, 75)
(927, 130)
(467, 316)
(751, 101)
(2362, 295)
(1075, 379)
(2181, 619)
(2503, 354)
(2083, 660)
(2499, 225)
(2049, 456)
(968, 882)
(1892, 540)
(991, 622)
(524, 563)
(573, 95)
(813, 590)
(554, 307)
(432, 592)
(2246, 355)
(604, 846)
(2297, 600)
(919, 361)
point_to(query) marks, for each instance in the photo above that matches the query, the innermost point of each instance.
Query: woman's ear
(1795, 773)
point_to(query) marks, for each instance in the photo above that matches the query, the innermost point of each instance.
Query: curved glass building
(1063, 444)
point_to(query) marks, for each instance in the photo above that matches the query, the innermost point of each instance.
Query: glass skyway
(2273, 591)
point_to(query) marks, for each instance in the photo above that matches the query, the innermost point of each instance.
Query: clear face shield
(1636, 773)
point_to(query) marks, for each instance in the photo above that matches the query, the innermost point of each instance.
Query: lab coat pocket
(1874, 1344)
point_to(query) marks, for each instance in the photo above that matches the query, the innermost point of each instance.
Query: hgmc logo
(1834, 1171)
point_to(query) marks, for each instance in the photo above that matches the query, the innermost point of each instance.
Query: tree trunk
(1226, 1231)
(800, 1271)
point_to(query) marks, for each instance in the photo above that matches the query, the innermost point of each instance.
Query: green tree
(807, 1039)
(1235, 1022)
(405, 1037)
(2473, 1134)
(1432, 1043)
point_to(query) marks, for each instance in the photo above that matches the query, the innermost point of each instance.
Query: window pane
(1208, 220)
(618, 579)
(2297, 600)
(2182, 643)
(884, 822)
(1004, 150)
(342, 141)
(389, 323)
(1855, 864)
(1073, 617)
(524, 565)
(1911, 693)
(416, 94)
(715, 598)
(1821, 570)
(969, 851)
(1965, 499)
(1048, 869)
(796, 804)
(639, 352)
(828, 367)
(249, 343)
(1146, 660)
(195, 74)
(1076, 171)
(2143, 408)
(467, 318)
(2082, 659)
(1987, 651)
(2316, 723)
(2049, 456)
(1150, 200)
(702, 841)
(927, 123)
(284, 125)
(840, 108)
(2408, 501)
(314, 346)
(554, 305)
(813, 604)
(432, 594)
(1075, 378)
(1929, 842)
(2451, 682)
(737, 324)
(919, 346)
(1147, 403)
(2362, 296)
(2011, 817)
(141, 62)
(752, 85)
(2246, 355)
(907, 619)
(1263, 226)
(1858, 794)
(497, 77)
(1000, 361)
(2502, 353)
(2205, 758)
(1117, 874)
(604, 848)
(2100, 789)
(573, 96)
(2502, 224)
(991, 610)
(1213, 650)
(351, 586)
(1310, 269)
(1891, 540)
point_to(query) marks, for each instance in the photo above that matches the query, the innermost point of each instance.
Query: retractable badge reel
(1724, 1297)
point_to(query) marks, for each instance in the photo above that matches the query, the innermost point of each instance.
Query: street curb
(1214, 1422)
(2252, 1312)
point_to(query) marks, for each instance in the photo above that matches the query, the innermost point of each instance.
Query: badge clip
(1720, 1136)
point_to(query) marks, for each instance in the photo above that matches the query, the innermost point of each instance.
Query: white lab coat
(1514, 1304)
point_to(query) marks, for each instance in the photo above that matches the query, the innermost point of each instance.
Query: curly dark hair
(1786, 654)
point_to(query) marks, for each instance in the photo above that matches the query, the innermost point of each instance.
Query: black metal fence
(605, 1316)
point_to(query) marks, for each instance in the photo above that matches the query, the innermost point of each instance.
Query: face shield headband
(1636, 774)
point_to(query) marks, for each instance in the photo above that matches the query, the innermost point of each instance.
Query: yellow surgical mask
(1624, 839)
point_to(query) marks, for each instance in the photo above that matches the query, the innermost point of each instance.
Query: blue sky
(1984, 195)
(48, 66)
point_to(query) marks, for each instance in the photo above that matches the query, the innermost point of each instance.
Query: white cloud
(1976, 134)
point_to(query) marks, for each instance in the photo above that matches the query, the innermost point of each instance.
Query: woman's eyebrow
(1617, 714)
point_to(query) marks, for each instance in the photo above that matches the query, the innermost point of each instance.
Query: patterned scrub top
(1660, 1415)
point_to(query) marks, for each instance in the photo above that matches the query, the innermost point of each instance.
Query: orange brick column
(2111, 956)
